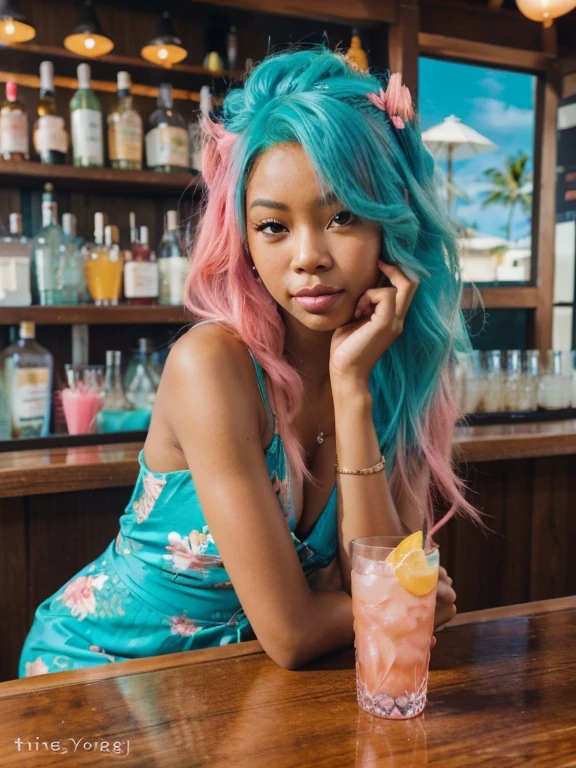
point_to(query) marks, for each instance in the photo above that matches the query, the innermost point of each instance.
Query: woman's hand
(445, 602)
(379, 320)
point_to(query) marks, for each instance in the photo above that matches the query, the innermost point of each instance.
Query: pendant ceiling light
(165, 49)
(545, 10)
(88, 39)
(13, 25)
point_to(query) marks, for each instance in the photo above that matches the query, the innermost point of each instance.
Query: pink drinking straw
(439, 524)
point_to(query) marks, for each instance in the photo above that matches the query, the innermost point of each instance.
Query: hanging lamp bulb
(166, 49)
(13, 25)
(545, 11)
(88, 38)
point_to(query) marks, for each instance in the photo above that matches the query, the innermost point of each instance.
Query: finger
(433, 642)
(384, 296)
(406, 287)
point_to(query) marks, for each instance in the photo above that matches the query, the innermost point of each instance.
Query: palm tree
(510, 187)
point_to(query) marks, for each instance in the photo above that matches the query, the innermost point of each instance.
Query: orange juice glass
(393, 626)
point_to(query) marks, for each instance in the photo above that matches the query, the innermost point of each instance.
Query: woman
(326, 273)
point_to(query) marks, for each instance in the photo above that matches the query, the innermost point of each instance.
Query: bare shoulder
(209, 378)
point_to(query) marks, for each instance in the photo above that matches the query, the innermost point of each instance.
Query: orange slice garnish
(416, 571)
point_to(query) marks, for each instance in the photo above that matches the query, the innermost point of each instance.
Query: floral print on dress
(181, 625)
(145, 504)
(79, 595)
(282, 490)
(36, 667)
(187, 552)
(97, 649)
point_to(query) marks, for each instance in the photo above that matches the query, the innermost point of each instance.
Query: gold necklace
(320, 435)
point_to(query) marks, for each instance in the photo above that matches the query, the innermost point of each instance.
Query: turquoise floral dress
(161, 586)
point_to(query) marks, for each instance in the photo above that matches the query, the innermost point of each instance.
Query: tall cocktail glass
(393, 604)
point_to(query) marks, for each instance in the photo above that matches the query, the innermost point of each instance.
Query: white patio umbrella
(453, 140)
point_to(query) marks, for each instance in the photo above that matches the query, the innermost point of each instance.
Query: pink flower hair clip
(396, 101)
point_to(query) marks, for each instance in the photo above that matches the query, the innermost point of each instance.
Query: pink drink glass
(83, 398)
(393, 632)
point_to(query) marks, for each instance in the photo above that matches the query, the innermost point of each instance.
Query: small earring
(253, 267)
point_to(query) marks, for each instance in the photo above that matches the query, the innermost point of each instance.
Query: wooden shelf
(113, 180)
(89, 314)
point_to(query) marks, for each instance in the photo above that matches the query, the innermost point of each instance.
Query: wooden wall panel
(14, 592)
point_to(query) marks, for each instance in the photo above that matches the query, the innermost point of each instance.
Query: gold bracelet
(378, 467)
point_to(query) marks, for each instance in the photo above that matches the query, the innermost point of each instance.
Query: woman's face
(298, 240)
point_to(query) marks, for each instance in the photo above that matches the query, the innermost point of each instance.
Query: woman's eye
(270, 227)
(342, 218)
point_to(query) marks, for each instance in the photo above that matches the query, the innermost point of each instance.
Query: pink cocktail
(393, 625)
(83, 399)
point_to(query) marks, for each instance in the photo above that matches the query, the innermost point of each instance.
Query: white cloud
(496, 114)
(492, 85)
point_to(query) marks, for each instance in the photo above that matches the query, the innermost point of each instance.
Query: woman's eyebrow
(321, 202)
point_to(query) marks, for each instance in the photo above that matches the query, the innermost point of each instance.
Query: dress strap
(263, 394)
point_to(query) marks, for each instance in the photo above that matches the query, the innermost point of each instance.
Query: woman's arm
(211, 403)
(365, 504)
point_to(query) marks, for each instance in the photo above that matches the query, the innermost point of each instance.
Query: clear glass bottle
(140, 380)
(114, 395)
(47, 261)
(494, 393)
(86, 117)
(72, 267)
(5, 423)
(124, 129)
(172, 264)
(69, 226)
(195, 131)
(232, 48)
(50, 135)
(103, 264)
(141, 273)
(14, 142)
(27, 370)
(15, 266)
(167, 147)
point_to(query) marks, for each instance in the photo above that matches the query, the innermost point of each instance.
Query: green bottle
(87, 126)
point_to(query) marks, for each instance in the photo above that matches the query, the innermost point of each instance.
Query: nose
(311, 253)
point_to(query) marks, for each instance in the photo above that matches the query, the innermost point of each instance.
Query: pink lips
(318, 303)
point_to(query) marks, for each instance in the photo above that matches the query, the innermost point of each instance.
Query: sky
(499, 105)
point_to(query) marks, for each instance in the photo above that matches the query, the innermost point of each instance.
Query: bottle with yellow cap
(26, 369)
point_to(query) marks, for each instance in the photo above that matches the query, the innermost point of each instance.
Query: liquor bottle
(232, 48)
(194, 130)
(141, 380)
(15, 266)
(141, 273)
(172, 264)
(86, 117)
(103, 264)
(27, 371)
(75, 242)
(14, 143)
(356, 55)
(167, 139)
(47, 257)
(71, 260)
(124, 129)
(114, 396)
(50, 135)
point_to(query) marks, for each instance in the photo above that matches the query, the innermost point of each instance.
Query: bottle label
(87, 138)
(173, 273)
(13, 132)
(141, 279)
(29, 393)
(50, 135)
(125, 138)
(167, 145)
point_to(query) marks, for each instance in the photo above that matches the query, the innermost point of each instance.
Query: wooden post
(544, 207)
(403, 44)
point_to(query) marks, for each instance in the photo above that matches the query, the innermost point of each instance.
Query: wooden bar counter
(59, 509)
(502, 691)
